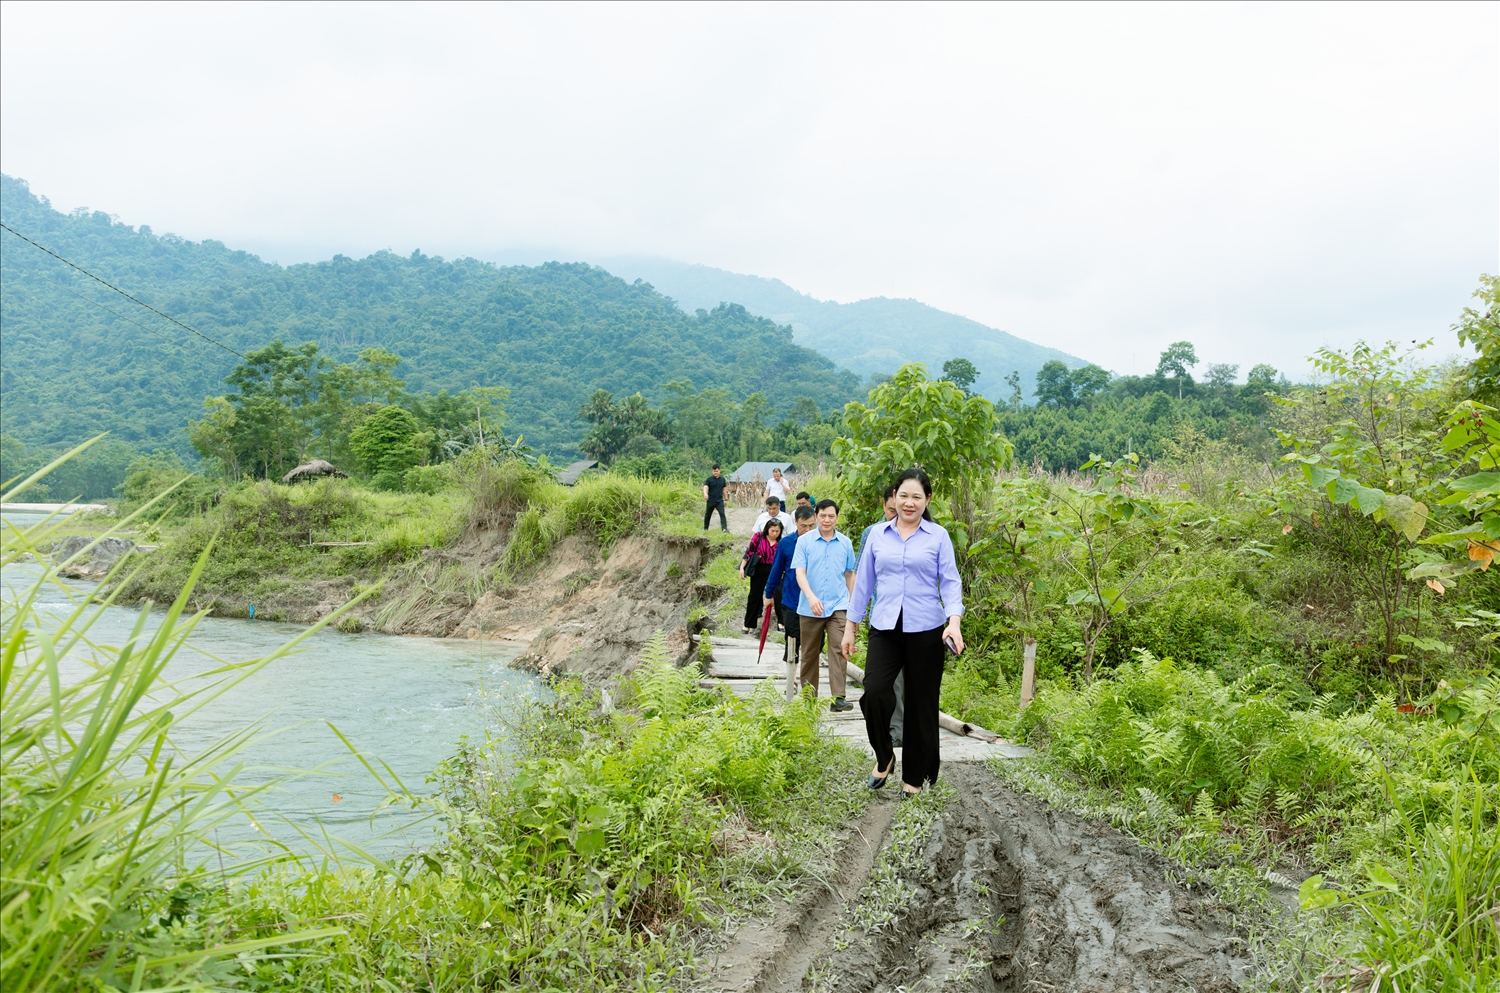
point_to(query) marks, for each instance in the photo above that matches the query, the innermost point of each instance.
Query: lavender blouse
(917, 577)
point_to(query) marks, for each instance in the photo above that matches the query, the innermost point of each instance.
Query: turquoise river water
(399, 700)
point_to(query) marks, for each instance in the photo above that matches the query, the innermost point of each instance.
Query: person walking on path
(713, 494)
(783, 579)
(898, 716)
(910, 569)
(824, 561)
(776, 486)
(757, 566)
(773, 512)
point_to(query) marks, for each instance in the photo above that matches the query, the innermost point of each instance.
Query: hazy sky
(1260, 179)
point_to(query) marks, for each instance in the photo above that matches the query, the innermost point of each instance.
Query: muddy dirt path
(995, 891)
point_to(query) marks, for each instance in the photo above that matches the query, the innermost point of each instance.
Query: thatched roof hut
(312, 470)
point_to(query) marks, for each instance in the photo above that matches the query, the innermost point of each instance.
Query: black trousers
(920, 655)
(758, 577)
(790, 623)
(708, 513)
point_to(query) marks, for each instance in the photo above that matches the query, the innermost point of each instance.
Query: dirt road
(990, 891)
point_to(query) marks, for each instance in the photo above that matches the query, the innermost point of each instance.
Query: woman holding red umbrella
(757, 566)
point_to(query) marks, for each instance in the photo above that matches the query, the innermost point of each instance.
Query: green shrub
(426, 479)
(387, 444)
(499, 491)
(1258, 751)
(149, 476)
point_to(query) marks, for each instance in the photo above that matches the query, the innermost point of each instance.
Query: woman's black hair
(921, 477)
(765, 532)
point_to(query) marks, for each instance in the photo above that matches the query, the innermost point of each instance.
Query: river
(401, 701)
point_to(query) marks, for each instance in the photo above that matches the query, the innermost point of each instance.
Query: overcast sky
(1259, 179)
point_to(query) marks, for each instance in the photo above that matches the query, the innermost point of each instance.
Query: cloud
(1260, 179)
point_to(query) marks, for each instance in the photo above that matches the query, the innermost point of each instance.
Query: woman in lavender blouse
(908, 564)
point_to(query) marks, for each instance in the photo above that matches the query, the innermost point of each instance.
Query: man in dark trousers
(713, 493)
(791, 594)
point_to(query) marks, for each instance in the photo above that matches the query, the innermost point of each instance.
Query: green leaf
(1370, 500)
(1319, 476)
(1342, 490)
(591, 842)
(1381, 876)
(1416, 522)
(1312, 896)
(1480, 482)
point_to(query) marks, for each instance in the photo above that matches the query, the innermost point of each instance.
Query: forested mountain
(869, 336)
(551, 334)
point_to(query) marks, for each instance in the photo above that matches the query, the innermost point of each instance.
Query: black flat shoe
(876, 782)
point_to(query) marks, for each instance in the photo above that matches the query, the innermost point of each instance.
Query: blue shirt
(826, 560)
(782, 571)
(916, 577)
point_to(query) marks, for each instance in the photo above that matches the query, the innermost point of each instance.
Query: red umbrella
(765, 626)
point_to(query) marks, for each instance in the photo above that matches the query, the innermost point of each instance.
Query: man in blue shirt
(824, 562)
(791, 594)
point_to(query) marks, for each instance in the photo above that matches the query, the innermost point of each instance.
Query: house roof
(759, 472)
(570, 475)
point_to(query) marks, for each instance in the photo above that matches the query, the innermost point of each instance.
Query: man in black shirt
(713, 493)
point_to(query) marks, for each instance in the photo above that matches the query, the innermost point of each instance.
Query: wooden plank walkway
(734, 667)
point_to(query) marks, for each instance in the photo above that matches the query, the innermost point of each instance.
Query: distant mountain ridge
(869, 336)
(551, 334)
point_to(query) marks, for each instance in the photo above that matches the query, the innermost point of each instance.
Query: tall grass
(604, 508)
(99, 808)
(587, 851)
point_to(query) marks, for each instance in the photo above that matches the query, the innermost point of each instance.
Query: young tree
(1483, 332)
(961, 373)
(387, 445)
(277, 399)
(1221, 375)
(1176, 361)
(1014, 382)
(915, 421)
(1088, 382)
(1371, 453)
(216, 436)
(1054, 385)
(1112, 533)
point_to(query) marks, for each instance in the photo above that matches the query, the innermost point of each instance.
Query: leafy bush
(500, 491)
(387, 445)
(1266, 756)
(426, 479)
(149, 476)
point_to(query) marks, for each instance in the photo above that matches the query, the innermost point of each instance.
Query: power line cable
(120, 291)
(96, 303)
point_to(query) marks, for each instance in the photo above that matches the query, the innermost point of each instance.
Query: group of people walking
(902, 581)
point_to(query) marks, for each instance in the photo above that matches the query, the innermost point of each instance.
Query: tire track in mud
(1006, 894)
(774, 955)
